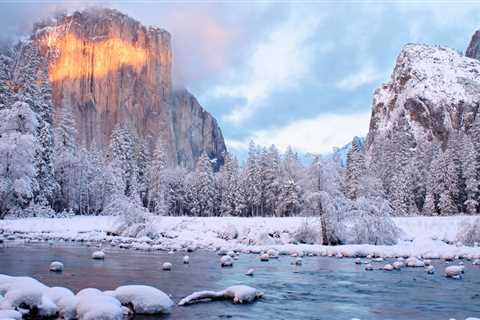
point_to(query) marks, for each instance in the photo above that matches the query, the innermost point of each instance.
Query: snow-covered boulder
(58, 293)
(250, 272)
(226, 261)
(56, 266)
(143, 299)
(388, 267)
(98, 255)
(298, 261)
(358, 261)
(264, 257)
(167, 266)
(96, 305)
(368, 267)
(186, 259)
(430, 269)
(397, 265)
(238, 293)
(454, 271)
(272, 253)
(476, 262)
(67, 307)
(414, 262)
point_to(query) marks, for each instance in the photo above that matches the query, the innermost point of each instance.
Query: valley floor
(427, 237)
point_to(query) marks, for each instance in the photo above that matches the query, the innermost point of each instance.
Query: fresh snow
(10, 314)
(426, 237)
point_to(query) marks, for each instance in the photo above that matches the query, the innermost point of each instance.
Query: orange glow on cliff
(79, 58)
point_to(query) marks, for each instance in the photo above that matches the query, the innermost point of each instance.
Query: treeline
(43, 170)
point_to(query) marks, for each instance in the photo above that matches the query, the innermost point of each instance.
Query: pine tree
(156, 184)
(122, 149)
(470, 170)
(355, 170)
(203, 188)
(228, 184)
(18, 143)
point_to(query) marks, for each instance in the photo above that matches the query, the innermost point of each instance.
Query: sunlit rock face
(110, 69)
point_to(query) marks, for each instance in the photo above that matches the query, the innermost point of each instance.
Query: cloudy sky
(299, 74)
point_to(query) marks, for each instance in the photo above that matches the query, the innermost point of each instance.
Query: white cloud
(315, 135)
(279, 62)
(366, 75)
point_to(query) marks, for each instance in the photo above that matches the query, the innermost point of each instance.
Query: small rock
(167, 266)
(226, 261)
(186, 260)
(250, 272)
(264, 257)
(273, 254)
(476, 262)
(358, 261)
(56, 266)
(430, 269)
(368, 267)
(298, 261)
(98, 255)
(231, 253)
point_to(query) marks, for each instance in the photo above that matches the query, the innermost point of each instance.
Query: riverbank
(428, 237)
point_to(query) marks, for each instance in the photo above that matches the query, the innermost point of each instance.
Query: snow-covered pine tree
(470, 175)
(228, 184)
(355, 169)
(157, 187)
(203, 188)
(273, 178)
(252, 179)
(289, 203)
(445, 182)
(18, 143)
(122, 150)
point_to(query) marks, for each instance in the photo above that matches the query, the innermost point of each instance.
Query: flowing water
(322, 288)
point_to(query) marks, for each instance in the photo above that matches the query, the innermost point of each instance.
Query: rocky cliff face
(432, 91)
(195, 130)
(109, 69)
(473, 49)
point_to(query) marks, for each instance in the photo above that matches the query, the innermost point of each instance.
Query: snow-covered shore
(428, 237)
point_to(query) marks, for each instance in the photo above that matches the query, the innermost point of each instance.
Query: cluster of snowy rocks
(28, 297)
(25, 297)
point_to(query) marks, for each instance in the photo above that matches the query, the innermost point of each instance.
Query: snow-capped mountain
(432, 91)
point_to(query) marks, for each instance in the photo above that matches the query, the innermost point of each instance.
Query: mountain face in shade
(108, 69)
(432, 91)
(473, 49)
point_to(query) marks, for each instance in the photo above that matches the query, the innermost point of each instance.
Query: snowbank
(426, 237)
